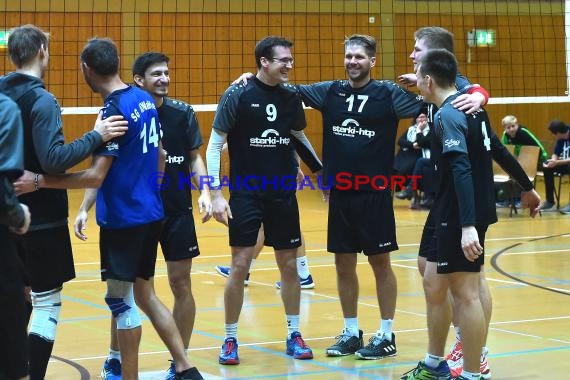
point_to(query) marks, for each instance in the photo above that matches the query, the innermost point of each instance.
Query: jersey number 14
(151, 138)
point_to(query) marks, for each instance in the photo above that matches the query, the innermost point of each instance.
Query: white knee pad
(45, 315)
(121, 300)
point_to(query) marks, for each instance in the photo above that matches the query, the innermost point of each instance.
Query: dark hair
(557, 126)
(24, 42)
(145, 60)
(101, 55)
(264, 48)
(366, 41)
(435, 37)
(441, 65)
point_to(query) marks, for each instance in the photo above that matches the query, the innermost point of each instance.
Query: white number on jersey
(486, 139)
(271, 111)
(350, 101)
(152, 137)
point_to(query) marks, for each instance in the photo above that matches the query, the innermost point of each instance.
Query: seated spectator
(518, 135)
(559, 162)
(409, 152)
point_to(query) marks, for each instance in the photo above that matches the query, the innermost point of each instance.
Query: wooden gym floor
(528, 269)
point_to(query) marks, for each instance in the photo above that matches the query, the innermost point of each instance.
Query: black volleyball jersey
(258, 119)
(360, 125)
(181, 134)
(457, 133)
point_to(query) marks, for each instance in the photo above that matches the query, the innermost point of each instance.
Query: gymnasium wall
(211, 42)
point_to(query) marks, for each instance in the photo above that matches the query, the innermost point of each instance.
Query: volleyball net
(516, 50)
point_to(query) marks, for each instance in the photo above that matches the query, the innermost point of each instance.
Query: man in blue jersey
(46, 248)
(464, 148)
(259, 121)
(129, 209)
(182, 140)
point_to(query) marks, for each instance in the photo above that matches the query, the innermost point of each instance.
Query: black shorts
(128, 253)
(450, 257)
(361, 221)
(178, 237)
(280, 218)
(428, 243)
(47, 257)
(13, 321)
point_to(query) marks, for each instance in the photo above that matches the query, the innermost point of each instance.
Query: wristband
(37, 181)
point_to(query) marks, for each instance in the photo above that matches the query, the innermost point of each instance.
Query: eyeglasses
(284, 61)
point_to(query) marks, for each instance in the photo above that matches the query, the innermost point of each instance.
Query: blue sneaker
(297, 348)
(423, 372)
(225, 272)
(111, 370)
(306, 283)
(171, 371)
(229, 353)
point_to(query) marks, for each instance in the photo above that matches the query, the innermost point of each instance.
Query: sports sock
(114, 354)
(231, 330)
(351, 326)
(303, 267)
(386, 327)
(433, 361)
(292, 324)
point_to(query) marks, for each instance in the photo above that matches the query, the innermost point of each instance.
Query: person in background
(559, 162)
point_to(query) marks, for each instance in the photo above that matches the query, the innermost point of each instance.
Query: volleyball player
(258, 121)
(46, 248)
(463, 153)
(360, 121)
(14, 218)
(129, 210)
(475, 97)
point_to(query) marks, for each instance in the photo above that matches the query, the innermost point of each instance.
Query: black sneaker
(189, 374)
(346, 344)
(378, 348)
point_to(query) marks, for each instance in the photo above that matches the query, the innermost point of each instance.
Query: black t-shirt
(360, 125)
(258, 120)
(181, 134)
(460, 134)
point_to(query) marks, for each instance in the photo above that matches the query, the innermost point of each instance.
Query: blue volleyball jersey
(129, 196)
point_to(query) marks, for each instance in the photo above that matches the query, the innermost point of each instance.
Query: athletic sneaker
(378, 347)
(225, 271)
(346, 344)
(423, 372)
(463, 378)
(455, 359)
(171, 371)
(189, 374)
(306, 283)
(297, 348)
(548, 207)
(111, 370)
(484, 365)
(229, 353)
